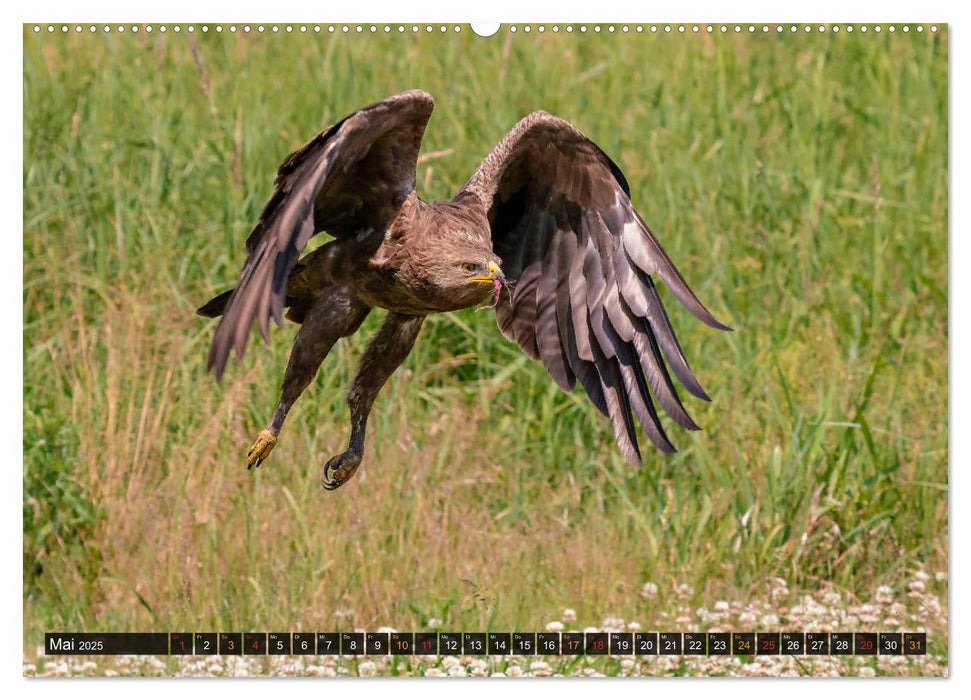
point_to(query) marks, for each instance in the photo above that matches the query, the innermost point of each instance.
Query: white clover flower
(867, 672)
(367, 668)
(721, 606)
(746, 618)
(612, 624)
(386, 630)
(554, 626)
(940, 576)
(684, 590)
(649, 590)
(884, 595)
(922, 575)
(457, 671)
(917, 588)
(569, 615)
(832, 598)
(434, 673)
(514, 671)
(434, 623)
(769, 621)
(633, 625)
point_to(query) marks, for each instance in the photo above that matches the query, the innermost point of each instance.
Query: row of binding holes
(249, 28)
(415, 29)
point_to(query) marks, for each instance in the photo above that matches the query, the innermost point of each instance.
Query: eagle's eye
(468, 267)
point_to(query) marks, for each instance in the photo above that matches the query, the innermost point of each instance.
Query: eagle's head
(460, 276)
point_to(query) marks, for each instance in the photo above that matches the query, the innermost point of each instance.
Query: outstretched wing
(580, 259)
(351, 178)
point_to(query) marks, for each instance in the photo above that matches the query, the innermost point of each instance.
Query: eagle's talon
(340, 469)
(265, 442)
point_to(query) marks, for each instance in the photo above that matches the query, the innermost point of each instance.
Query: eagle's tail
(215, 306)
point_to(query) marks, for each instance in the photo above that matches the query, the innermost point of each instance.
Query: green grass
(799, 182)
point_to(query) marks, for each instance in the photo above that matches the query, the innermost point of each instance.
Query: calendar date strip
(487, 643)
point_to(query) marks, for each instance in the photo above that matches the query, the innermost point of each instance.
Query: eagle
(545, 226)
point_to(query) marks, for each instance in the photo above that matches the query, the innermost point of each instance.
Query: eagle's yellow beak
(494, 272)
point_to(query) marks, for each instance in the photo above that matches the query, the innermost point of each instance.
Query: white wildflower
(884, 595)
(554, 626)
(569, 615)
(367, 668)
(612, 624)
(769, 622)
(649, 590)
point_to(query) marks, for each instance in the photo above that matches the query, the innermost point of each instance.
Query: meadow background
(800, 183)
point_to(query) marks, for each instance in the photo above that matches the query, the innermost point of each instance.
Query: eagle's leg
(383, 356)
(335, 314)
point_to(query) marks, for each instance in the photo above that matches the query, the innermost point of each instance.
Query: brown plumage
(545, 222)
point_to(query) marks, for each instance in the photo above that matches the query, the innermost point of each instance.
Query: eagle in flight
(545, 224)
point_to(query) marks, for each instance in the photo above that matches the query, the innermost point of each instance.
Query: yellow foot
(261, 449)
(340, 469)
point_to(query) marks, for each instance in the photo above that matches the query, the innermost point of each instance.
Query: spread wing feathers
(579, 259)
(350, 179)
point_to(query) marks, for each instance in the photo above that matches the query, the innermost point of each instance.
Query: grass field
(799, 181)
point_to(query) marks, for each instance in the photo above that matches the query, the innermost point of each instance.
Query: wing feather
(548, 338)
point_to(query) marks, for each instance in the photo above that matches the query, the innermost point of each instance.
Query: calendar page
(524, 349)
